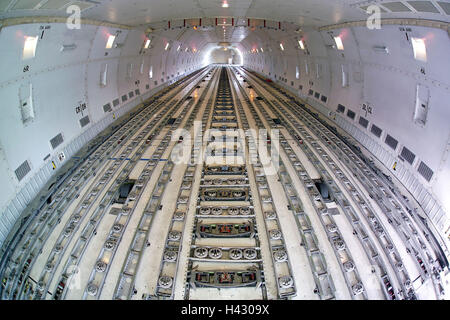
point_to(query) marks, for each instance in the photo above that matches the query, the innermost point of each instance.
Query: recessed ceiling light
(110, 42)
(225, 4)
(147, 43)
(339, 44)
(302, 46)
(281, 46)
(29, 47)
(420, 50)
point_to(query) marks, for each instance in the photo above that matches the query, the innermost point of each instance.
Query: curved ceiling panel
(315, 13)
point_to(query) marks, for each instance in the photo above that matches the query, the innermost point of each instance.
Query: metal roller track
(98, 274)
(60, 187)
(125, 285)
(306, 180)
(64, 240)
(170, 258)
(52, 215)
(392, 209)
(80, 177)
(69, 187)
(95, 192)
(377, 228)
(89, 231)
(316, 259)
(83, 241)
(100, 271)
(352, 188)
(347, 160)
(389, 249)
(95, 218)
(343, 255)
(388, 197)
(280, 258)
(217, 184)
(337, 242)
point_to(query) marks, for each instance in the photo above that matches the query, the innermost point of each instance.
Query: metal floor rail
(64, 240)
(364, 206)
(325, 286)
(283, 270)
(87, 171)
(390, 198)
(170, 260)
(231, 220)
(307, 145)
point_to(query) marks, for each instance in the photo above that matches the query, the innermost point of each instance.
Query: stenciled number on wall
(367, 108)
(81, 107)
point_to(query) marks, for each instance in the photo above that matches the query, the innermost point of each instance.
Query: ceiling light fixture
(110, 42)
(281, 46)
(167, 46)
(419, 48)
(224, 4)
(147, 43)
(29, 47)
(339, 44)
(300, 43)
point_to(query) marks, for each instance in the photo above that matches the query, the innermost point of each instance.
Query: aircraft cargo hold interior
(224, 150)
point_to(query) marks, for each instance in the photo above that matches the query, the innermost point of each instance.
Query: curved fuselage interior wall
(67, 85)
